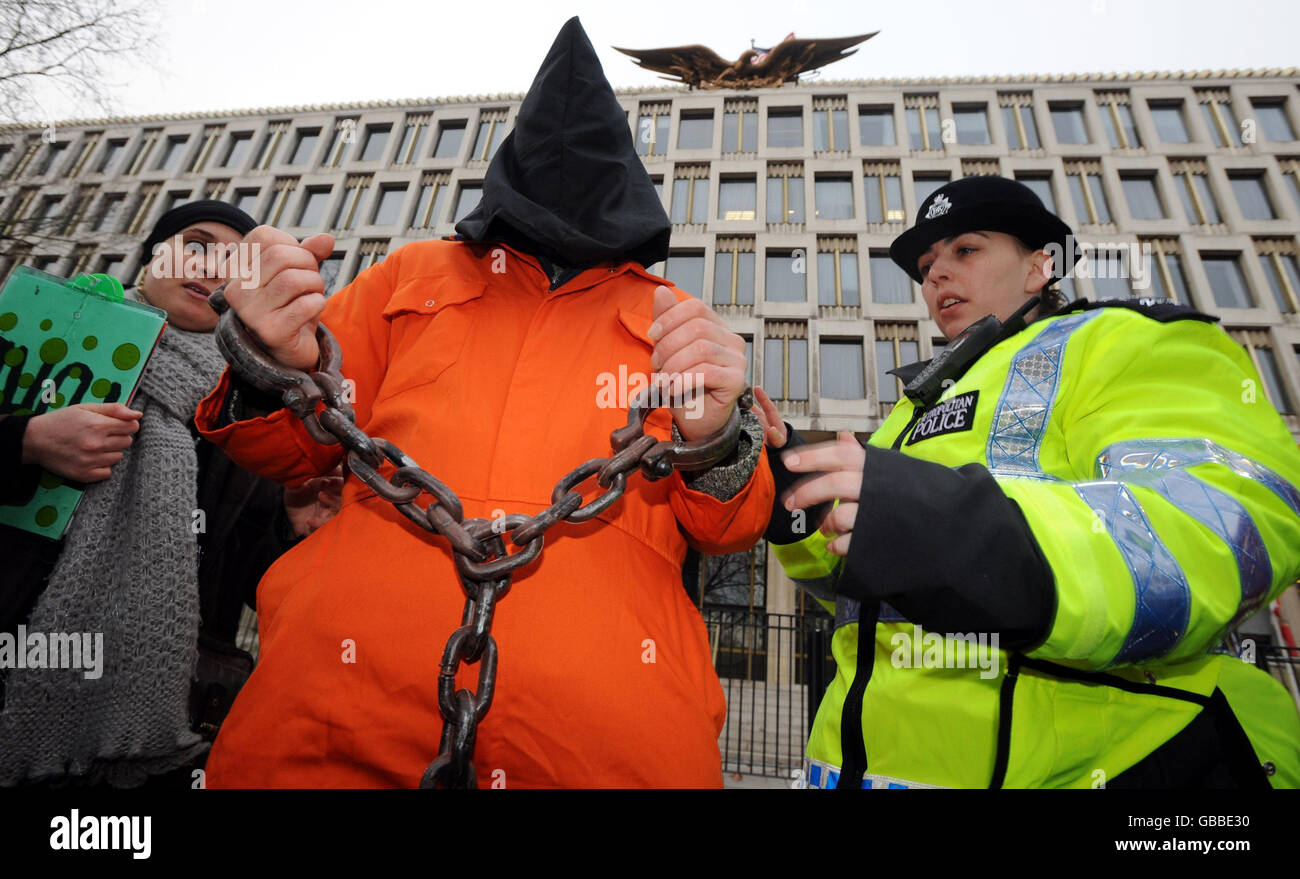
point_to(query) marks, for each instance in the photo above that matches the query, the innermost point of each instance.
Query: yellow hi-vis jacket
(1160, 488)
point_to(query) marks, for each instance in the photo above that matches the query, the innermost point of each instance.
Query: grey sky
(256, 53)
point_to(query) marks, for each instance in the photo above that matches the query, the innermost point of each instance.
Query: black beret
(186, 215)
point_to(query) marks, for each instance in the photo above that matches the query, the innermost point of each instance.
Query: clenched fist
(283, 308)
(80, 442)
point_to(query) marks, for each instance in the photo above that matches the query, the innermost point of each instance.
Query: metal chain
(484, 564)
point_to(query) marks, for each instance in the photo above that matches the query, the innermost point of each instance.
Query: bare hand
(283, 309)
(696, 353)
(773, 424)
(80, 442)
(314, 503)
(841, 464)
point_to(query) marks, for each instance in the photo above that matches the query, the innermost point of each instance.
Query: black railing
(774, 669)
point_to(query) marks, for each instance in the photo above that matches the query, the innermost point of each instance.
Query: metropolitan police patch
(950, 416)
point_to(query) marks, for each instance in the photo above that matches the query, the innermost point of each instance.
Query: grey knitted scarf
(129, 570)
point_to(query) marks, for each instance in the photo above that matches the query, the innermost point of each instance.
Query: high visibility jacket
(465, 358)
(1160, 488)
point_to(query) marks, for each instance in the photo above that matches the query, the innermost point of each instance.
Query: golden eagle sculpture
(700, 67)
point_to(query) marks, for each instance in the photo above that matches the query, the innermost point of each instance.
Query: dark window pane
(1169, 123)
(786, 278)
(876, 127)
(737, 199)
(686, 270)
(849, 294)
(376, 140)
(1252, 197)
(1068, 122)
(390, 202)
(681, 200)
(1099, 198)
(237, 151)
(304, 146)
(313, 208)
(886, 384)
(972, 125)
(1272, 118)
(470, 195)
(745, 279)
(889, 284)
(1031, 128)
(834, 199)
(1277, 395)
(450, 135)
(841, 368)
(785, 128)
(1143, 198)
(774, 368)
(924, 186)
(1227, 282)
(1042, 187)
(695, 132)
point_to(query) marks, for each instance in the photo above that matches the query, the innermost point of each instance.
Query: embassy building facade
(784, 202)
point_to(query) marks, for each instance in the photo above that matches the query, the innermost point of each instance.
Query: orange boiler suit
(490, 381)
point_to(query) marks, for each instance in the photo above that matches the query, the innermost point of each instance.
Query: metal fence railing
(774, 669)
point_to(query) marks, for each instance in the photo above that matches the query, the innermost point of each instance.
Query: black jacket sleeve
(781, 526)
(949, 550)
(17, 480)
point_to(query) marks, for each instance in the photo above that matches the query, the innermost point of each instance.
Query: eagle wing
(689, 64)
(812, 53)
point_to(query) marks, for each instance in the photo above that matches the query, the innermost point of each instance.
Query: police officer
(1032, 556)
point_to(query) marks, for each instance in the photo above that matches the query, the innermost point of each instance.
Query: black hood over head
(566, 183)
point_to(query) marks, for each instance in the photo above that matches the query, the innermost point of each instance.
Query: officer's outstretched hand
(697, 354)
(282, 300)
(770, 417)
(841, 463)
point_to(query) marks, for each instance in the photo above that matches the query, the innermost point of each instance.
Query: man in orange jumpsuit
(488, 360)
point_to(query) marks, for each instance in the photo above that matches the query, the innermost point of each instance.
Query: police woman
(1032, 556)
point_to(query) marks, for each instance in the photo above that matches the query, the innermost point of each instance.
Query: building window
(450, 135)
(1216, 106)
(408, 149)
(1252, 195)
(1271, 113)
(314, 201)
(785, 127)
(785, 361)
(470, 195)
(344, 133)
(1277, 259)
(1041, 184)
(691, 194)
(786, 276)
(143, 207)
(354, 190)
(330, 269)
(1170, 124)
(237, 149)
(1194, 188)
(1165, 272)
(785, 193)
(1117, 117)
(923, 129)
(283, 189)
(1087, 192)
(1067, 121)
(737, 198)
(175, 199)
(695, 130)
(389, 205)
(876, 126)
(1226, 280)
(841, 368)
(889, 284)
(837, 272)
(428, 207)
(211, 134)
(740, 126)
(370, 253)
(972, 124)
(896, 345)
(884, 192)
(376, 139)
(172, 151)
(733, 272)
(275, 132)
(216, 189)
(1260, 349)
(924, 185)
(1143, 196)
(246, 200)
(833, 197)
(1018, 120)
(42, 219)
(830, 125)
(110, 209)
(142, 152)
(686, 270)
(304, 145)
(112, 152)
(85, 197)
(652, 129)
(51, 158)
(1291, 174)
(112, 264)
(88, 145)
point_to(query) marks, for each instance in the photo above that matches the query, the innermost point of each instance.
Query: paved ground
(732, 781)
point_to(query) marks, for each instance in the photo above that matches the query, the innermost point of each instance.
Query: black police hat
(983, 204)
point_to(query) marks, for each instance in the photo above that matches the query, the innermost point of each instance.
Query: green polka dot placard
(62, 343)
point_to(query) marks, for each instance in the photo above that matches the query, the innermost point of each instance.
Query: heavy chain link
(483, 562)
